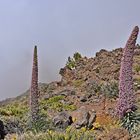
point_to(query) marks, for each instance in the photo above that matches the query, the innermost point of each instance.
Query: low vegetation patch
(56, 104)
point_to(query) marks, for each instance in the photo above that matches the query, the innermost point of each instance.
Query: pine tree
(126, 95)
(34, 93)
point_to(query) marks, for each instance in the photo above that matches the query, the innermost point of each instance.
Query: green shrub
(71, 63)
(78, 83)
(55, 104)
(136, 84)
(69, 107)
(93, 87)
(137, 68)
(15, 109)
(55, 99)
(110, 90)
(52, 103)
(77, 56)
(52, 135)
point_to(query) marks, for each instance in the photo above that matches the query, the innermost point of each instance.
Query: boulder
(62, 120)
(83, 117)
(83, 120)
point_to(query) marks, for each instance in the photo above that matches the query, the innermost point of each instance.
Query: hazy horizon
(58, 28)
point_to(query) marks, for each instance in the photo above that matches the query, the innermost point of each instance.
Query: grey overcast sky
(59, 28)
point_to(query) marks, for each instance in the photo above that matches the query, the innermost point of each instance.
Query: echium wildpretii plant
(126, 100)
(34, 93)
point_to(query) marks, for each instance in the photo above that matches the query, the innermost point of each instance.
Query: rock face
(62, 120)
(83, 117)
(2, 131)
(104, 66)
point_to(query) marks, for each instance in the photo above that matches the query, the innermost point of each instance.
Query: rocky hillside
(85, 96)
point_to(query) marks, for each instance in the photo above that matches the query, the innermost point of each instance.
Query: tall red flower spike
(34, 93)
(126, 94)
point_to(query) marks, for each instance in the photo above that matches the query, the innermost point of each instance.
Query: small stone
(83, 99)
(67, 92)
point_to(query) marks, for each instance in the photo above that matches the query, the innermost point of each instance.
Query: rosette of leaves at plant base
(41, 125)
(131, 122)
(110, 90)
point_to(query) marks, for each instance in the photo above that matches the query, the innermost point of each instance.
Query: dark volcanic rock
(84, 118)
(83, 98)
(86, 97)
(2, 131)
(67, 92)
(62, 120)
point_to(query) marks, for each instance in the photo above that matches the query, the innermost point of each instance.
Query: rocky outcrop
(103, 67)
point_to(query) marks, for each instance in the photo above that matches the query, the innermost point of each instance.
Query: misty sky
(59, 28)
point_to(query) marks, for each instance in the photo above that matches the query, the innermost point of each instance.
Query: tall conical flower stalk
(126, 95)
(34, 93)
